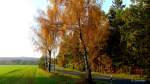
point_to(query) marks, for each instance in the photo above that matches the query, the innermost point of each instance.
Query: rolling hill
(18, 60)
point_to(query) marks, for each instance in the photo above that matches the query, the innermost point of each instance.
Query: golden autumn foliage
(48, 32)
(91, 29)
(83, 30)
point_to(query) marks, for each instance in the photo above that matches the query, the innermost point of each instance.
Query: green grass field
(30, 74)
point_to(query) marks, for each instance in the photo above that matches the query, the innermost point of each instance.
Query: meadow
(30, 74)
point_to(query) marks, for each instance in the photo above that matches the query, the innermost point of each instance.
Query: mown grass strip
(24, 75)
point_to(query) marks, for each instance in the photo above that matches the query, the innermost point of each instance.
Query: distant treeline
(18, 61)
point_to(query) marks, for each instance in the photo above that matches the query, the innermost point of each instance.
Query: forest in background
(88, 39)
(18, 61)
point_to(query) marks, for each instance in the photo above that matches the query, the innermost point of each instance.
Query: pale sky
(107, 3)
(16, 19)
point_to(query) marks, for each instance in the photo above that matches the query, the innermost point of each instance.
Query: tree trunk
(46, 63)
(87, 67)
(49, 64)
(54, 63)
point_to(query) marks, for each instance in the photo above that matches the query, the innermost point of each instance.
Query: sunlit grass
(17, 74)
(30, 74)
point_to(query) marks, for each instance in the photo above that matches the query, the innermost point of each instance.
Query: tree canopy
(90, 40)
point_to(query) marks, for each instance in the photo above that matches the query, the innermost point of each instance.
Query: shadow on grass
(53, 79)
(16, 80)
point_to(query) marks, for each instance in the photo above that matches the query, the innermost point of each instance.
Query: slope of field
(30, 74)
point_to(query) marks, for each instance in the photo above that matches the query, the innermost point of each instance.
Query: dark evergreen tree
(136, 34)
(116, 22)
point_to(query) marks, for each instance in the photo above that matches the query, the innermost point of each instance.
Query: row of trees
(130, 27)
(74, 19)
(90, 40)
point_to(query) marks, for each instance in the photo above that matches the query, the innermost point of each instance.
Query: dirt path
(106, 78)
